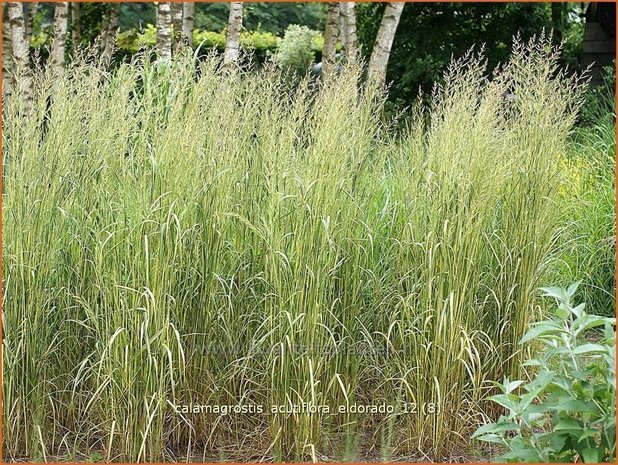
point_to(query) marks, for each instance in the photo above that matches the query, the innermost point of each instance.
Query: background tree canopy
(428, 36)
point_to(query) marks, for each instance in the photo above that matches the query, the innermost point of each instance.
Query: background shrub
(295, 54)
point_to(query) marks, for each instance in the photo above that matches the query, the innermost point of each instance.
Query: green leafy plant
(259, 40)
(567, 412)
(95, 457)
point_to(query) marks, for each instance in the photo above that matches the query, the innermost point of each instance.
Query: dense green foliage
(430, 35)
(178, 235)
(589, 202)
(567, 413)
(262, 44)
(271, 17)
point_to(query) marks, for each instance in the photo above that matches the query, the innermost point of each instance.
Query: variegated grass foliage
(182, 235)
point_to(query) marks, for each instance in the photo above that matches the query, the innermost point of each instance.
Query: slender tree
(76, 31)
(349, 38)
(164, 31)
(59, 42)
(232, 38)
(188, 18)
(7, 56)
(20, 49)
(331, 35)
(384, 41)
(18, 33)
(109, 32)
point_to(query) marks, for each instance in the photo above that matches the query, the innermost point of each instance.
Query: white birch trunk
(232, 39)
(331, 35)
(349, 35)
(18, 33)
(164, 31)
(384, 41)
(21, 52)
(7, 55)
(188, 19)
(109, 34)
(59, 42)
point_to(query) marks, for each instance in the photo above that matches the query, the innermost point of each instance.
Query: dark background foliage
(429, 34)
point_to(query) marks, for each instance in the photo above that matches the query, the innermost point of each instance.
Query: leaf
(590, 455)
(532, 363)
(576, 405)
(589, 349)
(579, 310)
(590, 321)
(535, 388)
(495, 428)
(541, 329)
(556, 292)
(572, 289)
(561, 385)
(532, 417)
(568, 424)
(512, 385)
(541, 381)
(557, 441)
(522, 451)
(584, 389)
(506, 400)
(498, 385)
(492, 438)
(610, 332)
(588, 433)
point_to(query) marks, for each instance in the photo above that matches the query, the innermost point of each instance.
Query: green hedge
(263, 43)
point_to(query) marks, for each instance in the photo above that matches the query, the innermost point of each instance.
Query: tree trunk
(21, 55)
(59, 42)
(164, 31)
(109, 33)
(557, 9)
(18, 33)
(331, 34)
(188, 18)
(384, 41)
(7, 55)
(232, 39)
(177, 14)
(76, 31)
(32, 10)
(348, 26)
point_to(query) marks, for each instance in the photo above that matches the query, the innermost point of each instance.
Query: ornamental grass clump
(178, 236)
